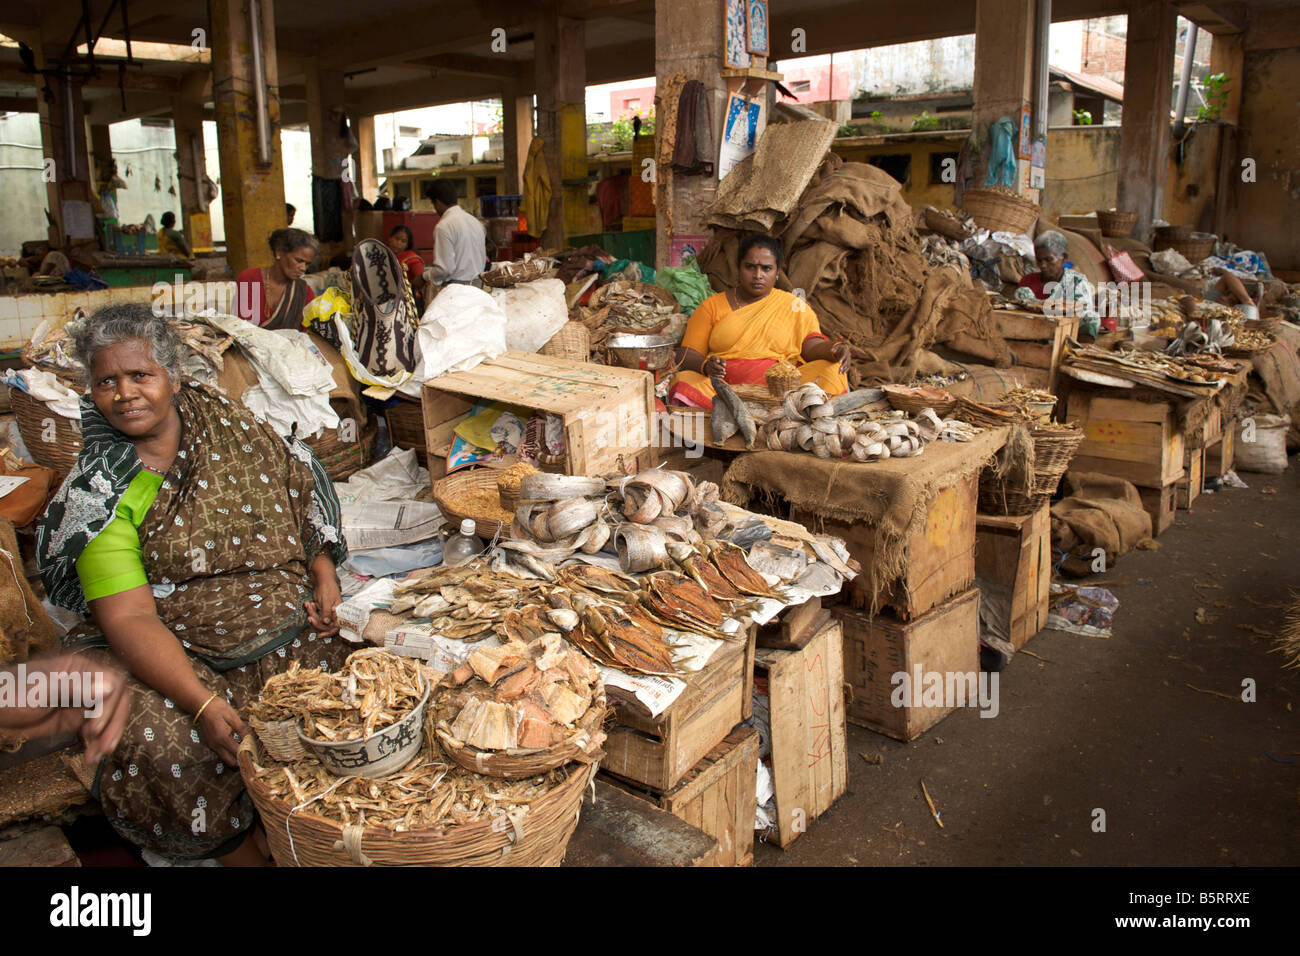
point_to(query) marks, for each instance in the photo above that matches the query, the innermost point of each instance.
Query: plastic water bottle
(459, 548)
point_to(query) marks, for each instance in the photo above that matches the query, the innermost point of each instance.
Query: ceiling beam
(1220, 19)
(18, 104)
(413, 94)
(108, 109)
(133, 79)
(497, 66)
(471, 34)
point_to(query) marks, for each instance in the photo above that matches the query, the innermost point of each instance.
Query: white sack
(1267, 453)
(535, 311)
(462, 327)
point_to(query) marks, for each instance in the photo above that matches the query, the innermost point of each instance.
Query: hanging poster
(757, 27)
(1038, 165)
(1025, 150)
(739, 133)
(736, 56)
(682, 246)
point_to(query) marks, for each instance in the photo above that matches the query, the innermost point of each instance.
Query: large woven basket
(1053, 449)
(279, 738)
(1193, 250)
(34, 419)
(572, 342)
(1166, 234)
(342, 459)
(583, 746)
(657, 292)
(1001, 211)
(448, 496)
(512, 273)
(304, 838)
(915, 400)
(986, 415)
(406, 427)
(1115, 224)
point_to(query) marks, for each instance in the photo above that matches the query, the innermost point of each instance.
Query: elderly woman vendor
(740, 334)
(203, 548)
(1061, 291)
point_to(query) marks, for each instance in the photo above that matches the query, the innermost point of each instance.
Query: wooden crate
(1014, 553)
(1213, 427)
(793, 628)
(1161, 504)
(1138, 441)
(717, 796)
(939, 559)
(1219, 457)
(657, 752)
(1037, 342)
(1192, 484)
(875, 648)
(608, 412)
(809, 745)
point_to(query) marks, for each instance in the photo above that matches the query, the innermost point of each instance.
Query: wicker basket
(1001, 211)
(32, 416)
(583, 746)
(1167, 234)
(1053, 449)
(1268, 323)
(781, 378)
(986, 416)
(406, 427)
(1193, 250)
(572, 342)
(449, 492)
(342, 459)
(1115, 224)
(758, 395)
(279, 738)
(304, 838)
(914, 400)
(512, 273)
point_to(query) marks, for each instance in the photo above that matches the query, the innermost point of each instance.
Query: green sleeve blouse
(114, 561)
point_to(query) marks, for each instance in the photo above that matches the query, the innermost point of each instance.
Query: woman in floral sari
(739, 335)
(203, 548)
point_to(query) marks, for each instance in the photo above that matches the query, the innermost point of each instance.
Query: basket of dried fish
(509, 274)
(915, 399)
(473, 493)
(526, 707)
(781, 378)
(509, 484)
(987, 416)
(430, 813)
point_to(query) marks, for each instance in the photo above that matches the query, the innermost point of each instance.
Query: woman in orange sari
(740, 334)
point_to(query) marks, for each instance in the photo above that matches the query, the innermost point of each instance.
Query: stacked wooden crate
(1132, 439)
(1013, 556)
(1036, 342)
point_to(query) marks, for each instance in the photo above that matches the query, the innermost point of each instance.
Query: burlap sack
(1099, 512)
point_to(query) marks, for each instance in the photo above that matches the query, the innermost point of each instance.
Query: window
(485, 186)
(800, 86)
(411, 132)
(937, 161)
(898, 165)
(632, 105)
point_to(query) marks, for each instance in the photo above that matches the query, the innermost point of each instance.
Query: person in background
(171, 239)
(274, 296)
(1060, 290)
(401, 240)
(740, 334)
(460, 241)
(111, 705)
(289, 212)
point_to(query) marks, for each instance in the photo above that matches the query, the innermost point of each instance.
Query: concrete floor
(1185, 778)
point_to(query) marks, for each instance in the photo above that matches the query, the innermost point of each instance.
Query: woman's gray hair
(291, 240)
(1053, 242)
(114, 324)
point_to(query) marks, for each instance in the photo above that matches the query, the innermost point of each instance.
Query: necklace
(148, 467)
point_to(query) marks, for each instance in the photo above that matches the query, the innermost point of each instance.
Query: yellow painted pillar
(367, 171)
(191, 162)
(67, 171)
(252, 182)
(1004, 75)
(561, 71)
(516, 134)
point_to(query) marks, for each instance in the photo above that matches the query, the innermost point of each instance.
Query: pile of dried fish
(466, 602)
(730, 414)
(528, 693)
(373, 690)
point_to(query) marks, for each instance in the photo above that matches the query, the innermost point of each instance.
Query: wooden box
(1139, 441)
(657, 752)
(939, 559)
(1219, 457)
(717, 796)
(608, 412)
(1036, 341)
(793, 628)
(1213, 428)
(1192, 484)
(945, 641)
(1161, 504)
(1014, 553)
(809, 745)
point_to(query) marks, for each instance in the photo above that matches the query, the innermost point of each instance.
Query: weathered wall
(919, 190)
(1082, 164)
(1191, 178)
(1268, 210)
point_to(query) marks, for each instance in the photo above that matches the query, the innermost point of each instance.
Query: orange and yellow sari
(751, 340)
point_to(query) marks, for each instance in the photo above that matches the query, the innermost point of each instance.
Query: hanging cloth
(537, 190)
(693, 153)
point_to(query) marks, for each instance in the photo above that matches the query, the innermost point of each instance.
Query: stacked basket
(1116, 224)
(1000, 209)
(1053, 449)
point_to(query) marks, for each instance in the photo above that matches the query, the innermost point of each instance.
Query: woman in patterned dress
(203, 547)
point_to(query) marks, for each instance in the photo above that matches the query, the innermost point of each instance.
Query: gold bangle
(199, 713)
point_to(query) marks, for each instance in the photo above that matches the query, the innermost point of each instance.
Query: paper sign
(740, 133)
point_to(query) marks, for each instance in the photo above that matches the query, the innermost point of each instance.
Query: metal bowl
(383, 752)
(650, 352)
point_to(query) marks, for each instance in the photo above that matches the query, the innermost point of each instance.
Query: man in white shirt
(460, 242)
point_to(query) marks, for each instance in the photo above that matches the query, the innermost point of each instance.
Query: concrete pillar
(191, 161)
(253, 191)
(1228, 56)
(1004, 70)
(64, 141)
(561, 72)
(1148, 98)
(689, 39)
(517, 134)
(329, 150)
(101, 152)
(366, 164)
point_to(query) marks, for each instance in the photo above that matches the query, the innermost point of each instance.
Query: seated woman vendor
(274, 297)
(203, 549)
(1060, 290)
(740, 334)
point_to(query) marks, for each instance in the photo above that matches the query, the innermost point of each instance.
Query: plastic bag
(534, 312)
(686, 282)
(462, 327)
